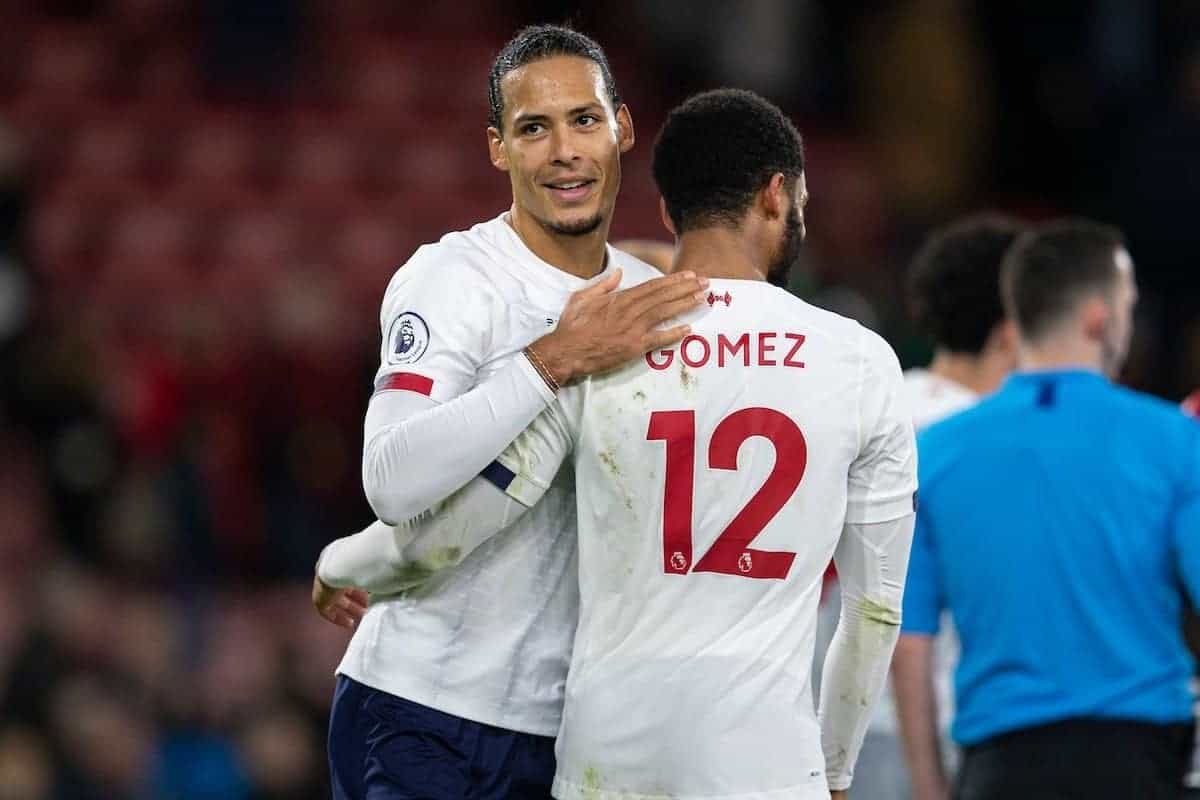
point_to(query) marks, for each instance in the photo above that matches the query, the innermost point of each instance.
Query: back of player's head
(954, 281)
(535, 43)
(716, 151)
(1050, 269)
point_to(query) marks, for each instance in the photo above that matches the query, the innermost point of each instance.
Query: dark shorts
(383, 747)
(1088, 759)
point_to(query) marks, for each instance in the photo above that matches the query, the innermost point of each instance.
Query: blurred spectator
(283, 756)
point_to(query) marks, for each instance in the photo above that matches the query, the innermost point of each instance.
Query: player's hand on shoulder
(602, 327)
(344, 607)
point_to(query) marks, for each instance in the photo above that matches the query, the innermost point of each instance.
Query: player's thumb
(603, 286)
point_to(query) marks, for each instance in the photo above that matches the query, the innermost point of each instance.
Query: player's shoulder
(633, 269)
(931, 397)
(844, 329)
(455, 266)
(773, 304)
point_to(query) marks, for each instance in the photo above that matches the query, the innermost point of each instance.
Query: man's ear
(625, 137)
(1003, 337)
(772, 198)
(665, 217)
(1095, 316)
(496, 153)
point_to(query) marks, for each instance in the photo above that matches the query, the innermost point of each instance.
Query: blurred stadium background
(200, 206)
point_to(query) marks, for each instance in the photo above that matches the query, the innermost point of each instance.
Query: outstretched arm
(384, 559)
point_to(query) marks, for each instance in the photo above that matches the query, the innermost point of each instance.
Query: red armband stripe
(405, 381)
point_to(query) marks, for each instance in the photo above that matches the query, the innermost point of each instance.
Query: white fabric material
(489, 638)
(692, 683)
(872, 563)
(931, 398)
(396, 439)
(386, 559)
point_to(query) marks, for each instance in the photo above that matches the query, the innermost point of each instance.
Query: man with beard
(715, 481)
(1058, 525)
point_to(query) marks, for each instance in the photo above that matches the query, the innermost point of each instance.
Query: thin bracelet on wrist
(541, 369)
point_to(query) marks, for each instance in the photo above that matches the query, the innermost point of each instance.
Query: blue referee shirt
(1059, 523)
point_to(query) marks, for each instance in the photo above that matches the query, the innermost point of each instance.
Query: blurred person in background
(954, 297)
(1057, 525)
(457, 691)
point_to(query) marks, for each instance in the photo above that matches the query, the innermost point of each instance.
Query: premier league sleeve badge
(408, 339)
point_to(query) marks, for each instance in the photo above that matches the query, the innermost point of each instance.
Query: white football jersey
(489, 639)
(930, 398)
(714, 480)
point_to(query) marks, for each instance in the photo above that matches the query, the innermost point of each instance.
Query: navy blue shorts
(383, 747)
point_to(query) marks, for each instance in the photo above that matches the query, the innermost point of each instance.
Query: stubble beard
(581, 227)
(789, 250)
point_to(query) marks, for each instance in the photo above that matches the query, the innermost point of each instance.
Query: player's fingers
(676, 282)
(342, 619)
(658, 314)
(656, 339)
(359, 596)
(690, 288)
(601, 287)
(352, 606)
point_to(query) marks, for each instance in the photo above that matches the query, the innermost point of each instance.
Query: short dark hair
(535, 43)
(716, 150)
(954, 280)
(1051, 268)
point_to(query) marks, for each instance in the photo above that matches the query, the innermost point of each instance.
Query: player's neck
(718, 253)
(1060, 353)
(582, 256)
(977, 373)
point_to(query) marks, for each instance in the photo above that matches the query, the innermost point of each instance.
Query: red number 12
(731, 553)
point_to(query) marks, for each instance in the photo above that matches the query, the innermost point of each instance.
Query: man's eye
(588, 119)
(532, 128)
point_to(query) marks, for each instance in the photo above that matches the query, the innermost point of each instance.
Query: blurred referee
(1059, 523)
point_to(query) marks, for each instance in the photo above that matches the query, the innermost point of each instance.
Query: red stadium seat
(67, 70)
(367, 249)
(151, 244)
(321, 160)
(62, 234)
(255, 243)
(169, 77)
(107, 156)
(217, 157)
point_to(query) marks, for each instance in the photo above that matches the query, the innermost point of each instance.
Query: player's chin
(577, 224)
